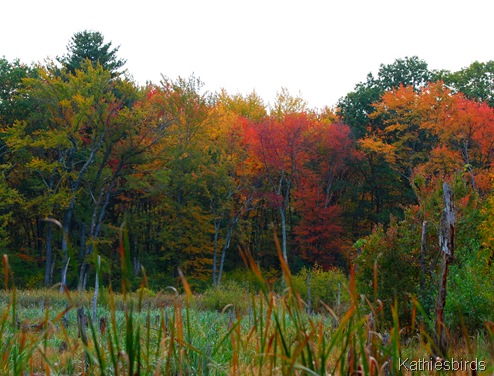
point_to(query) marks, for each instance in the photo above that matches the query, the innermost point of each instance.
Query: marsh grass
(167, 333)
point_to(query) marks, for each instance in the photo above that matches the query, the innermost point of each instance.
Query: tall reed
(277, 336)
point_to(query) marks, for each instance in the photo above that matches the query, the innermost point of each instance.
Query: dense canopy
(187, 178)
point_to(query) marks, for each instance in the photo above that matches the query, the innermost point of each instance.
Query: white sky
(318, 48)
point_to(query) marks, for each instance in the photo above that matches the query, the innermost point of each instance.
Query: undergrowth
(228, 331)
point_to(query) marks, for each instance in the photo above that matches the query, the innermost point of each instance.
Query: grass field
(264, 333)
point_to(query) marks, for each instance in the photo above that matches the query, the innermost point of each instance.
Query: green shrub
(388, 266)
(146, 292)
(324, 287)
(45, 298)
(470, 291)
(217, 298)
(248, 280)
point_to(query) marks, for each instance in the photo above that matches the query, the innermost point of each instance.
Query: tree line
(188, 179)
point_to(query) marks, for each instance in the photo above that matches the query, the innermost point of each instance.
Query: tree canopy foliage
(186, 178)
(90, 45)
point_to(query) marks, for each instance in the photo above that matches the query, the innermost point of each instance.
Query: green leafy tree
(387, 266)
(356, 107)
(9, 198)
(13, 105)
(475, 81)
(177, 181)
(66, 146)
(230, 180)
(380, 187)
(288, 104)
(90, 45)
(250, 107)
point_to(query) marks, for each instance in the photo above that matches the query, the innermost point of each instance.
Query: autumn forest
(193, 181)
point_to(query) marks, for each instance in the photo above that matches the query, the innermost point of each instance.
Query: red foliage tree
(319, 233)
(281, 146)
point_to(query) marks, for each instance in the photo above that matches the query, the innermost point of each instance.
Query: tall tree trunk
(96, 223)
(64, 274)
(65, 242)
(38, 243)
(329, 186)
(215, 248)
(49, 255)
(466, 157)
(96, 290)
(423, 243)
(447, 245)
(283, 234)
(228, 239)
(74, 188)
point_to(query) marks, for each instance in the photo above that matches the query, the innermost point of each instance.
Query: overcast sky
(318, 48)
